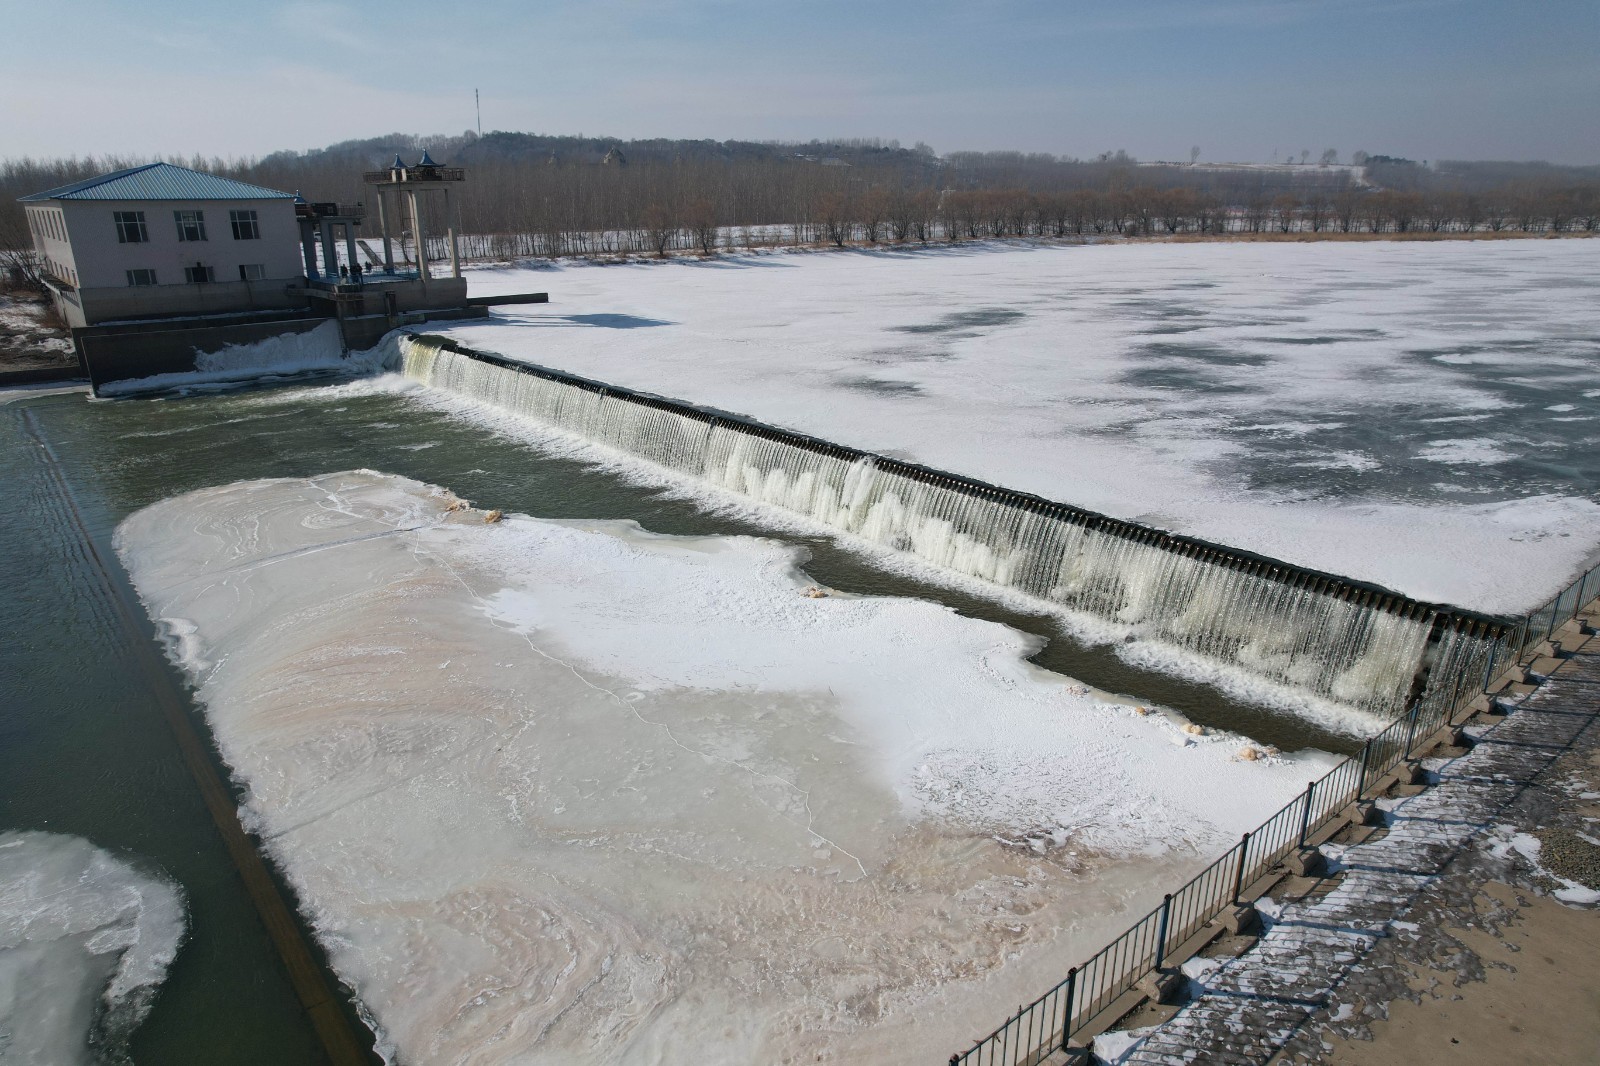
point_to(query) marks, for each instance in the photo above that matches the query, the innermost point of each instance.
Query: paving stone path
(1251, 1006)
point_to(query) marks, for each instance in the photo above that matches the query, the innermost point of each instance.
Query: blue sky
(1242, 79)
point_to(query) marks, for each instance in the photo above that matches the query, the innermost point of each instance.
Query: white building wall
(51, 240)
(103, 262)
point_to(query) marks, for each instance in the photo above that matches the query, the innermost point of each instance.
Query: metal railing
(1049, 1023)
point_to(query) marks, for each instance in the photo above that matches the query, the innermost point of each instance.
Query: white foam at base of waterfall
(555, 789)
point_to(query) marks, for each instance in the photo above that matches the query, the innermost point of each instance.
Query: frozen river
(1421, 415)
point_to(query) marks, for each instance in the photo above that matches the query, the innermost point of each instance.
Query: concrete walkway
(1252, 1008)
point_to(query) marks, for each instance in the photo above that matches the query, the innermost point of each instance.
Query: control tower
(402, 193)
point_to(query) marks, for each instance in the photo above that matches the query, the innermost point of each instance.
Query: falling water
(1353, 644)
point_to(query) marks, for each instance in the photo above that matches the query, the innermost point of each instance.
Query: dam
(1349, 643)
(1303, 645)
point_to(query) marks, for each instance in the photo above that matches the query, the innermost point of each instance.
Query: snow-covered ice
(559, 791)
(1422, 415)
(85, 942)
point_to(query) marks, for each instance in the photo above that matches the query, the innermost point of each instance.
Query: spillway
(1341, 640)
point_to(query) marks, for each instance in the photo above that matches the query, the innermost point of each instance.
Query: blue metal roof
(159, 181)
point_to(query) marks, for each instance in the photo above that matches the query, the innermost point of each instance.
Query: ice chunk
(85, 942)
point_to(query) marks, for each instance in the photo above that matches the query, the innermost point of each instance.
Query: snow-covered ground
(571, 791)
(1422, 415)
(85, 942)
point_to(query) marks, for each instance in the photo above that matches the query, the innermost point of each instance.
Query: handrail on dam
(1051, 1022)
(1423, 660)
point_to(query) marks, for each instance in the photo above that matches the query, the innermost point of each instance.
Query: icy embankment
(1418, 415)
(85, 942)
(574, 792)
(271, 359)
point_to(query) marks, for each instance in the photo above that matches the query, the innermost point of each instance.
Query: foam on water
(571, 789)
(85, 942)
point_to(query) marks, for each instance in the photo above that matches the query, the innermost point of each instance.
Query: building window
(191, 225)
(252, 271)
(198, 274)
(130, 227)
(244, 225)
(137, 278)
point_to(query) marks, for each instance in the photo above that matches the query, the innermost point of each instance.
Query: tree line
(541, 196)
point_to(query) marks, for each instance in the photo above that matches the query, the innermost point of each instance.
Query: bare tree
(1285, 210)
(872, 208)
(1330, 156)
(838, 220)
(661, 229)
(701, 218)
(1315, 210)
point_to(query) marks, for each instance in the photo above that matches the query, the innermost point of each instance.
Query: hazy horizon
(1244, 80)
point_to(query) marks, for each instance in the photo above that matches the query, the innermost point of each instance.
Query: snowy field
(558, 791)
(1422, 415)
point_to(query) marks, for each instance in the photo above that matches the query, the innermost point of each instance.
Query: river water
(84, 749)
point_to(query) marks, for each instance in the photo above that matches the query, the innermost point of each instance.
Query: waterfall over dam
(1338, 639)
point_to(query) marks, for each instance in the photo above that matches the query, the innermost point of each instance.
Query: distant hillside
(543, 148)
(558, 194)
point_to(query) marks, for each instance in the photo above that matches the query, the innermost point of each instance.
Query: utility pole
(476, 106)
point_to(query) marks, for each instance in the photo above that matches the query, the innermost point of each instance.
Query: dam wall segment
(1343, 640)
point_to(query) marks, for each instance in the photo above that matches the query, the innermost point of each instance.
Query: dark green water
(83, 745)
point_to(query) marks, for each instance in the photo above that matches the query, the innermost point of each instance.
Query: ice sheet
(567, 791)
(85, 942)
(1380, 410)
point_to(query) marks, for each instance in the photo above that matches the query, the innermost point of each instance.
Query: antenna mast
(479, 109)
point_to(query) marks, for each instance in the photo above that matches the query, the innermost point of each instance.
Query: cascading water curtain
(1272, 621)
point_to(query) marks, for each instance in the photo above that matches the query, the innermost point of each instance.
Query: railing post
(1305, 815)
(1366, 758)
(1411, 730)
(1066, 1022)
(1161, 932)
(1238, 874)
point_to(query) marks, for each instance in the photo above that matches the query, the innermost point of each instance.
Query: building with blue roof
(162, 240)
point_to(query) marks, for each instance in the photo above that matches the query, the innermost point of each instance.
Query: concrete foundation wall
(140, 349)
(366, 331)
(114, 354)
(371, 298)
